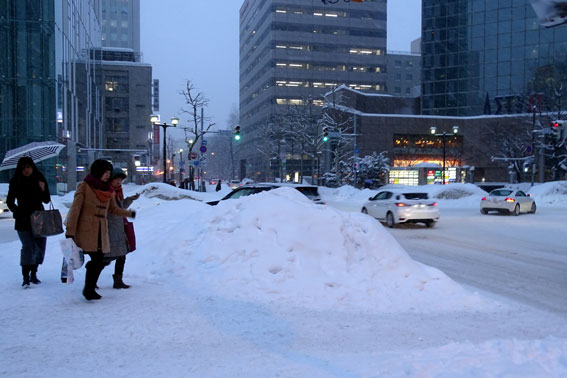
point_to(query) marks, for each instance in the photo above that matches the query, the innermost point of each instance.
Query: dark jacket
(28, 195)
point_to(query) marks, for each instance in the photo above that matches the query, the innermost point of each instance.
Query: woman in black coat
(29, 188)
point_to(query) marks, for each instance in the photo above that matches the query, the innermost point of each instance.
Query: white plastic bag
(72, 253)
(73, 258)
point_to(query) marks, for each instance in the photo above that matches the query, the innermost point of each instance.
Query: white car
(395, 207)
(509, 201)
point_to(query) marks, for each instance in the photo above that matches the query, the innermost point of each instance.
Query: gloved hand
(133, 214)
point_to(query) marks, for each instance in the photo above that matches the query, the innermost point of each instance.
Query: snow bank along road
(522, 258)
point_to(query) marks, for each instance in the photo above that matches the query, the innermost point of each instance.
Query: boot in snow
(26, 275)
(33, 277)
(118, 283)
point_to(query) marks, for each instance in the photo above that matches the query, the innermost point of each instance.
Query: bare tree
(196, 102)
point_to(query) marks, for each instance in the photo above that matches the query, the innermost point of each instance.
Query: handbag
(46, 222)
(130, 235)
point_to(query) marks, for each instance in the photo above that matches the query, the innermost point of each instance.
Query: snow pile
(280, 247)
(550, 193)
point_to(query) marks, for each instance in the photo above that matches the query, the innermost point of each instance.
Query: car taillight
(433, 204)
(400, 204)
(510, 200)
(484, 198)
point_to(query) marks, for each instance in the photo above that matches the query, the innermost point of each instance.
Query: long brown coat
(87, 216)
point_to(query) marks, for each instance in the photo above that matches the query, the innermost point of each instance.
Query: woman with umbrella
(29, 188)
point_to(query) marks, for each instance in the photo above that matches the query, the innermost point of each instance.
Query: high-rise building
(294, 51)
(47, 92)
(486, 56)
(121, 24)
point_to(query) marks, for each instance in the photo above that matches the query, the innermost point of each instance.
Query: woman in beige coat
(87, 221)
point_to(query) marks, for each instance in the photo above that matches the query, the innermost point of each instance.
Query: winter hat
(118, 172)
(99, 166)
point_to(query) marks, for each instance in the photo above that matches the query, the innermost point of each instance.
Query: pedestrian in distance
(29, 188)
(87, 221)
(218, 188)
(119, 246)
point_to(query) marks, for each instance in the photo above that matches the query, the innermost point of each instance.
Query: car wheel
(390, 220)
(364, 211)
(430, 223)
(533, 209)
(483, 211)
(516, 210)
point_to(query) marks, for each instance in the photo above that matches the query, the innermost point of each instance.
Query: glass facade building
(45, 93)
(489, 57)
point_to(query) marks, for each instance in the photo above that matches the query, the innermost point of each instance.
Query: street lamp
(444, 134)
(155, 121)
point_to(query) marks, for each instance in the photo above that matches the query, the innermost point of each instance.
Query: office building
(291, 52)
(486, 56)
(121, 24)
(127, 105)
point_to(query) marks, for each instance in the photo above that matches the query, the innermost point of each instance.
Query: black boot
(26, 275)
(118, 283)
(91, 277)
(33, 277)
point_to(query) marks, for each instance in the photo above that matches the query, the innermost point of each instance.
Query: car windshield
(501, 192)
(415, 196)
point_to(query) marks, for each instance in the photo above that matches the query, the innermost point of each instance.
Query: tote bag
(46, 222)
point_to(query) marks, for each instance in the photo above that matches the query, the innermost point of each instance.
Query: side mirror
(371, 198)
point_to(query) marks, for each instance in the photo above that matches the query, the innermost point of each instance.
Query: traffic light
(237, 132)
(325, 134)
(558, 129)
(137, 162)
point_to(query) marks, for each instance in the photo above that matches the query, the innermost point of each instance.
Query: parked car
(509, 201)
(3, 206)
(395, 207)
(310, 191)
(234, 184)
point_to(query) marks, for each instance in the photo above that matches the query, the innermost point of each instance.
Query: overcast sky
(198, 40)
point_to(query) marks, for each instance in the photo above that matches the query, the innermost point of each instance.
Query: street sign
(334, 134)
(203, 142)
(203, 149)
(356, 150)
(196, 163)
(193, 156)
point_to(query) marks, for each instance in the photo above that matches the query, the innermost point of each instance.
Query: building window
(409, 77)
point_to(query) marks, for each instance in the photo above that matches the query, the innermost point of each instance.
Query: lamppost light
(154, 118)
(174, 121)
(455, 129)
(433, 129)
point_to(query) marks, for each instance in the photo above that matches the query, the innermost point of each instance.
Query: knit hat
(118, 172)
(99, 166)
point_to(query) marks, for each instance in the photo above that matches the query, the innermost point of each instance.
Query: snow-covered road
(522, 258)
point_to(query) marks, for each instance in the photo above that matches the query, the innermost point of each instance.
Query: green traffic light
(325, 138)
(237, 137)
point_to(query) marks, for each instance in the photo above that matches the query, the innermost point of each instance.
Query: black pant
(94, 268)
(119, 265)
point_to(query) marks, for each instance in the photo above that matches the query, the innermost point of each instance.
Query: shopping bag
(73, 258)
(67, 275)
(72, 253)
(130, 235)
(46, 222)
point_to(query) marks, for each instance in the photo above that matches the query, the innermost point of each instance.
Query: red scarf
(119, 193)
(103, 190)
